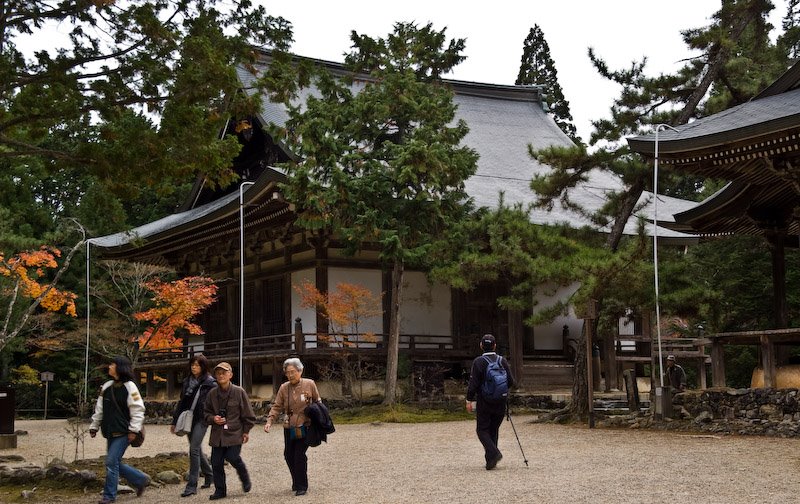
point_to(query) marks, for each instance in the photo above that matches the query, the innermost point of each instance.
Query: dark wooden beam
(717, 364)
(768, 361)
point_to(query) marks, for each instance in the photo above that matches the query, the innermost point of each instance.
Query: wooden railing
(305, 343)
(262, 345)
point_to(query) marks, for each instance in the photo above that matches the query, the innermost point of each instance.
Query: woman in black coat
(198, 382)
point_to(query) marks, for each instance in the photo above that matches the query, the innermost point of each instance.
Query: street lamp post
(659, 127)
(241, 279)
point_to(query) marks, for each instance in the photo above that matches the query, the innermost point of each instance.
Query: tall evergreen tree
(383, 163)
(538, 68)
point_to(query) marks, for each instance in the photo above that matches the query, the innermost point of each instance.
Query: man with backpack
(489, 382)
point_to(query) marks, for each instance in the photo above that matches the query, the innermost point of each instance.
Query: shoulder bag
(183, 425)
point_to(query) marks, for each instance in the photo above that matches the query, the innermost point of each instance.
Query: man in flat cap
(230, 415)
(489, 382)
(676, 376)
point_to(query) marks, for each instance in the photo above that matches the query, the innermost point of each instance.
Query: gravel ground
(443, 462)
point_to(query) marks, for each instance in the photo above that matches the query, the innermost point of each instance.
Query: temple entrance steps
(547, 373)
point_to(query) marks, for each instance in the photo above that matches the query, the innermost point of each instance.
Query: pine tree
(538, 68)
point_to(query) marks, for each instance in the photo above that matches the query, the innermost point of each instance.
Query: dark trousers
(219, 454)
(294, 452)
(488, 429)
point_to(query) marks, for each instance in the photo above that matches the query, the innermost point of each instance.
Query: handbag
(139, 439)
(183, 425)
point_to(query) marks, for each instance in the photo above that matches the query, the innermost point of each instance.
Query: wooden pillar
(768, 360)
(247, 377)
(277, 372)
(321, 282)
(588, 328)
(610, 364)
(150, 385)
(701, 373)
(299, 337)
(232, 300)
(717, 364)
(172, 380)
(515, 332)
(776, 239)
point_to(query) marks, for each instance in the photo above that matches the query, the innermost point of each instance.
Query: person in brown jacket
(230, 415)
(292, 399)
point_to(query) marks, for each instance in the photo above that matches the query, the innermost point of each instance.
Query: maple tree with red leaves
(176, 303)
(345, 309)
(23, 276)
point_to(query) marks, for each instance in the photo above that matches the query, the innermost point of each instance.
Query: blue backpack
(495, 381)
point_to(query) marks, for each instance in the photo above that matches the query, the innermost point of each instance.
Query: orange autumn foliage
(176, 303)
(345, 309)
(26, 269)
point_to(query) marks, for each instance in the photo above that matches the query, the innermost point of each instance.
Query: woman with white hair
(292, 399)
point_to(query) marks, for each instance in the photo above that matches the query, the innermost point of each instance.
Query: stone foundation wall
(743, 411)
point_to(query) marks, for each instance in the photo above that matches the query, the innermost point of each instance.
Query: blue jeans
(197, 459)
(115, 468)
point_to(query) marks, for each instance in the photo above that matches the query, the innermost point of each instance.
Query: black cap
(487, 341)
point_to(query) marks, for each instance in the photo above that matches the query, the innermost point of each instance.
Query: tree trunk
(393, 341)
(515, 333)
(579, 404)
(624, 214)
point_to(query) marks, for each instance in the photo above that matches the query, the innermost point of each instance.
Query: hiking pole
(508, 416)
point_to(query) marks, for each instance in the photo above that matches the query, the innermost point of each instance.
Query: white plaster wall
(626, 327)
(548, 336)
(197, 342)
(425, 307)
(370, 279)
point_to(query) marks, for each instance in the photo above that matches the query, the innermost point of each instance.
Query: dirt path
(404, 463)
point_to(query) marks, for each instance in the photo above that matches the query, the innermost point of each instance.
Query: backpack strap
(498, 358)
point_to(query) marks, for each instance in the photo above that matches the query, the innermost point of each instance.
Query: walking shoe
(208, 482)
(105, 500)
(140, 489)
(187, 492)
(300, 492)
(216, 496)
(492, 463)
(246, 486)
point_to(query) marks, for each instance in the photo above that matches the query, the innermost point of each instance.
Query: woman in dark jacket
(199, 382)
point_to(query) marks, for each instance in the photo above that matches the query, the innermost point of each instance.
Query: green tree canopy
(382, 162)
(134, 94)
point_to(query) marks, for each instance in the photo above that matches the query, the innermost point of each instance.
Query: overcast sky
(620, 31)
